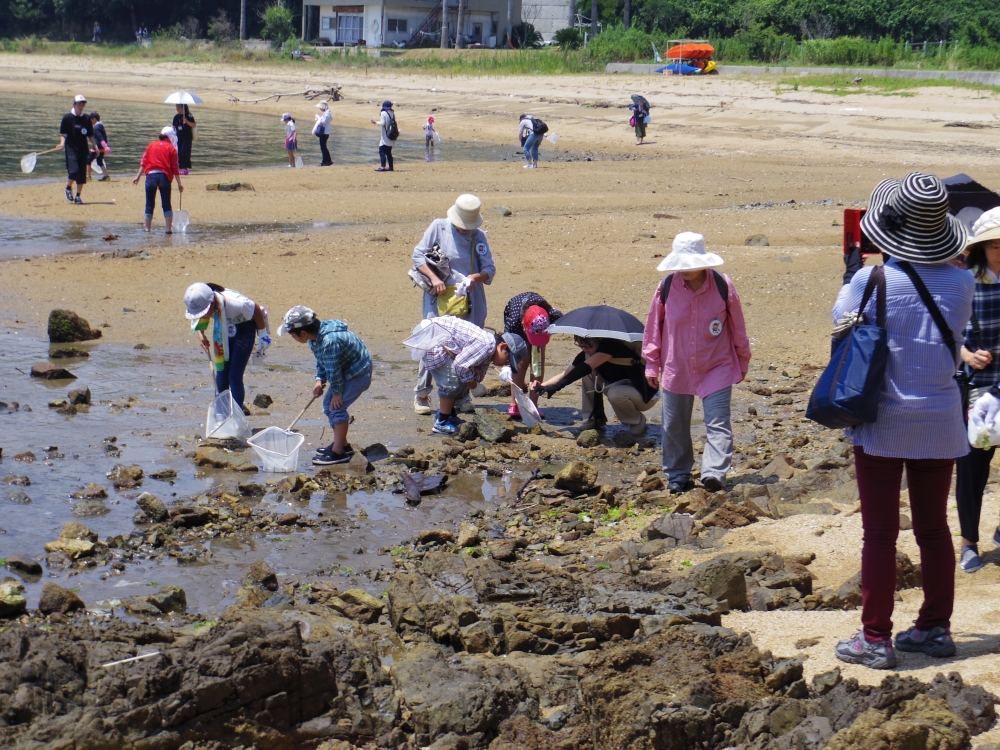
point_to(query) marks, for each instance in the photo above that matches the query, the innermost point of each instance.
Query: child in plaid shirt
(343, 363)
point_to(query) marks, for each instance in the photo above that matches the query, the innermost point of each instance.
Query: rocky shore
(567, 615)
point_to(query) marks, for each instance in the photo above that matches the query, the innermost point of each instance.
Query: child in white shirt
(291, 137)
(429, 132)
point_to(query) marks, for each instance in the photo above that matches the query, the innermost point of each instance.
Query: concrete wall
(547, 16)
(971, 76)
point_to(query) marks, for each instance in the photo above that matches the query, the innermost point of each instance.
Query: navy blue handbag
(847, 392)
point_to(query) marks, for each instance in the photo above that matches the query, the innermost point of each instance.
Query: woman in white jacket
(322, 129)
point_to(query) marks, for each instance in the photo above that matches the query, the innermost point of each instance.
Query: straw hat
(689, 255)
(987, 227)
(465, 214)
(323, 105)
(914, 224)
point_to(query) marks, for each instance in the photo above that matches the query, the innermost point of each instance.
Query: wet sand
(581, 232)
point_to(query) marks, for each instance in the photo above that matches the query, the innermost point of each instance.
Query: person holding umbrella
(75, 136)
(184, 127)
(640, 111)
(695, 344)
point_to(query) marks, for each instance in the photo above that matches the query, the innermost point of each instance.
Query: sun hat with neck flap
(465, 214)
(987, 227)
(689, 254)
(914, 224)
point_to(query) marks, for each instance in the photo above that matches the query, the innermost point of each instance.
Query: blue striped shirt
(919, 409)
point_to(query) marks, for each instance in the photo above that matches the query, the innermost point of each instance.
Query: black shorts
(76, 165)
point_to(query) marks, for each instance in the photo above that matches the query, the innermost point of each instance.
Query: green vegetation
(3, 562)
(205, 624)
(844, 85)
(603, 566)
(279, 24)
(687, 563)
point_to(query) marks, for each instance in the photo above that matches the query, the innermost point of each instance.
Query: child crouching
(343, 363)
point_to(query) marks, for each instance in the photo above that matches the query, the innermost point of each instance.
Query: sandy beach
(588, 226)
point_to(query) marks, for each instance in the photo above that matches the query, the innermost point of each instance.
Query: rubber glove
(463, 287)
(979, 436)
(263, 341)
(986, 407)
(506, 375)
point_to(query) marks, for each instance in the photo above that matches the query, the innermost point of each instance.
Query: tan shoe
(422, 405)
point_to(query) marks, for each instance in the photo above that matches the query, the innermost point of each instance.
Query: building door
(477, 33)
(349, 29)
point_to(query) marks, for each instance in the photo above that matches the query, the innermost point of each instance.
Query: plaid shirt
(986, 311)
(471, 346)
(340, 355)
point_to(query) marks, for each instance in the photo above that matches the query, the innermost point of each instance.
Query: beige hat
(689, 254)
(323, 106)
(987, 227)
(465, 213)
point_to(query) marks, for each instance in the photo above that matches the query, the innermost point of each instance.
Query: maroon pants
(929, 481)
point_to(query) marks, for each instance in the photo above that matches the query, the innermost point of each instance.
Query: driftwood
(332, 93)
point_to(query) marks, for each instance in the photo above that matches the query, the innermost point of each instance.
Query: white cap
(198, 300)
(286, 116)
(298, 317)
(80, 98)
(168, 131)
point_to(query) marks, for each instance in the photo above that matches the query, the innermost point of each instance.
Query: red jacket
(160, 155)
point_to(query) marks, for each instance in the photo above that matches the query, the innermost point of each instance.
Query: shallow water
(226, 139)
(159, 431)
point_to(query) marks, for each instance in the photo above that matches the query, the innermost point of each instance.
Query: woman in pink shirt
(695, 344)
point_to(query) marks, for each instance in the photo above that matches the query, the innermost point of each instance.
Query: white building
(548, 16)
(394, 22)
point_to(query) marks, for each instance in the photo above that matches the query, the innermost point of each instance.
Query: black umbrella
(636, 98)
(599, 322)
(963, 192)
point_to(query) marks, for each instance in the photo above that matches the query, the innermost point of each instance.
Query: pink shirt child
(680, 344)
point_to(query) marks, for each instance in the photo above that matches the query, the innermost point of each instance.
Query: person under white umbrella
(184, 125)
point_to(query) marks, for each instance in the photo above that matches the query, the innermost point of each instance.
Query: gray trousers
(678, 452)
(625, 400)
(424, 382)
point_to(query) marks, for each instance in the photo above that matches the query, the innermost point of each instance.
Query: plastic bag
(426, 336)
(437, 136)
(552, 138)
(226, 419)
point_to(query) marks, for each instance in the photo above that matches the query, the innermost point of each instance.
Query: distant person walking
(97, 32)
(429, 132)
(75, 137)
(387, 139)
(159, 163)
(101, 142)
(184, 127)
(322, 129)
(640, 112)
(291, 137)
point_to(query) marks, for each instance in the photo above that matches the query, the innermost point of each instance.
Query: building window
(400, 25)
(326, 23)
(349, 29)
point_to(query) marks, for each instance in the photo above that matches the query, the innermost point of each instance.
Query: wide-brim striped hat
(914, 224)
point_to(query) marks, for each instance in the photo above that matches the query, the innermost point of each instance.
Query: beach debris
(229, 187)
(331, 93)
(756, 240)
(418, 484)
(375, 452)
(55, 598)
(65, 326)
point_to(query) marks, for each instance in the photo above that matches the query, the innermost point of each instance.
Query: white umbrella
(183, 97)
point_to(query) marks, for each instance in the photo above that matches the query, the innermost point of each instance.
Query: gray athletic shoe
(422, 405)
(935, 642)
(871, 654)
(970, 561)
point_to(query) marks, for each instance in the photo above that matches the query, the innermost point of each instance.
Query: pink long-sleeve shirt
(679, 344)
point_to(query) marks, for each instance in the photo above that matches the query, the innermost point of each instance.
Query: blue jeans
(531, 147)
(240, 349)
(161, 182)
(385, 156)
(353, 388)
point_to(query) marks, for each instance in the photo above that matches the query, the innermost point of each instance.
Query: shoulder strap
(665, 289)
(932, 308)
(876, 279)
(720, 283)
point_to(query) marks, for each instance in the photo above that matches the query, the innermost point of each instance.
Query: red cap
(536, 320)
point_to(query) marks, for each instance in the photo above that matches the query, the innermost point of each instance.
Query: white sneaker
(527, 166)
(422, 405)
(465, 406)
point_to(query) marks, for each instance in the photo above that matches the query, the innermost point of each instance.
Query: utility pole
(243, 20)
(510, 18)
(628, 13)
(444, 24)
(594, 10)
(460, 26)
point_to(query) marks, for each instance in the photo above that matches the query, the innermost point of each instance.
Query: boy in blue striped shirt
(342, 362)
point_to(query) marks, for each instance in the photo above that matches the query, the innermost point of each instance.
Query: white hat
(465, 213)
(286, 116)
(987, 227)
(689, 255)
(79, 99)
(323, 105)
(198, 300)
(168, 131)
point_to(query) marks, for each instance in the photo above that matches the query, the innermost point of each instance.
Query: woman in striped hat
(919, 427)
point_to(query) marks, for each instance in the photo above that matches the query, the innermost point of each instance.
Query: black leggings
(973, 471)
(323, 138)
(184, 153)
(385, 155)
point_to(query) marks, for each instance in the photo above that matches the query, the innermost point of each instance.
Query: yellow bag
(449, 304)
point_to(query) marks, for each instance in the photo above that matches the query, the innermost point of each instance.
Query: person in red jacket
(159, 164)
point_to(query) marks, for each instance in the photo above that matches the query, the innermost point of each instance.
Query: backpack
(393, 130)
(539, 127)
(720, 284)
